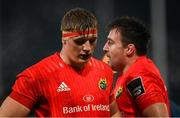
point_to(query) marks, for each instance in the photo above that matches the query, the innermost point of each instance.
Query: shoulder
(143, 80)
(43, 66)
(102, 68)
(143, 67)
(47, 62)
(100, 64)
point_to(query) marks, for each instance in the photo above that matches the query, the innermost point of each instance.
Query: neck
(64, 57)
(66, 60)
(129, 63)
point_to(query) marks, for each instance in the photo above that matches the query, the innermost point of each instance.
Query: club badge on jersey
(103, 83)
(136, 87)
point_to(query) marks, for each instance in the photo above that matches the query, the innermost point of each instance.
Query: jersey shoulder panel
(99, 64)
(46, 65)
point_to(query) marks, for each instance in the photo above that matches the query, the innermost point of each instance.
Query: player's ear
(63, 41)
(130, 49)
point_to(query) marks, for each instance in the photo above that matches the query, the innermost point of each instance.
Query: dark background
(29, 31)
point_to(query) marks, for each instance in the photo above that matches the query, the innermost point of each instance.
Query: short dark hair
(78, 19)
(133, 31)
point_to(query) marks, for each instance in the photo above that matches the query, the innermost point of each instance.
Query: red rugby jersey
(140, 87)
(54, 88)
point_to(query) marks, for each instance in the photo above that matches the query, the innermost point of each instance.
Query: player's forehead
(114, 35)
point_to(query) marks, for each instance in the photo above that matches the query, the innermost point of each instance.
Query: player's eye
(92, 40)
(79, 41)
(110, 42)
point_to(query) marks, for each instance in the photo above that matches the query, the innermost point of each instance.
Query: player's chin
(114, 68)
(83, 61)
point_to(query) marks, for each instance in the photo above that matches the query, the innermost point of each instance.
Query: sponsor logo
(63, 87)
(88, 98)
(103, 84)
(85, 108)
(136, 87)
(119, 92)
(68, 110)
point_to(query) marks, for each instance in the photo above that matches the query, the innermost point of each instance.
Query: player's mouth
(108, 55)
(85, 56)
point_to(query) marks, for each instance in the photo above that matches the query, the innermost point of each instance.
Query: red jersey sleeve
(147, 90)
(154, 92)
(25, 90)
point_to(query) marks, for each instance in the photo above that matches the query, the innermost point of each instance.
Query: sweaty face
(80, 48)
(115, 50)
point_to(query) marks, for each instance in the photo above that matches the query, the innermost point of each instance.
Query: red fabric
(53, 88)
(73, 34)
(155, 90)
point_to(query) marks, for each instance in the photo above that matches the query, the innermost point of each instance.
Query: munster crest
(103, 83)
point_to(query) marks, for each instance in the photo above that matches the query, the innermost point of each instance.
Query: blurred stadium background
(29, 31)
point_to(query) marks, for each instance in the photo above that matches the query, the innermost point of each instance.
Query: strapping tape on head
(91, 33)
